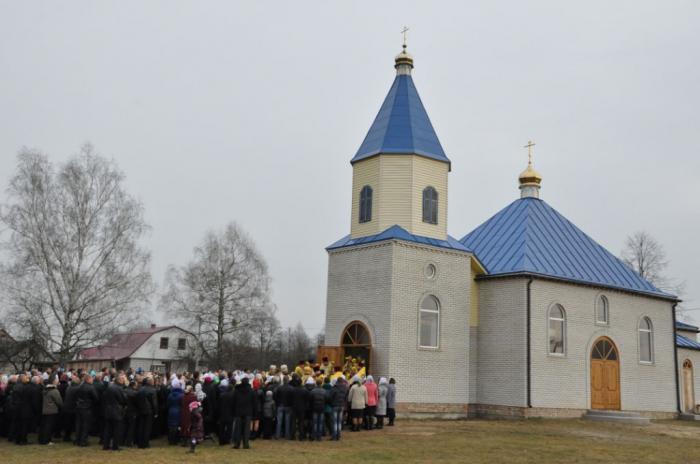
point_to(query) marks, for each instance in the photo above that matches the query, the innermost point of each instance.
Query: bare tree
(265, 330)
(646, 257)
(76, 272)
(220, 291)
(301, 347)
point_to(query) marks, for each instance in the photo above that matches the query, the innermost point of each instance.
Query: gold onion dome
(530, 176)
(403, 58)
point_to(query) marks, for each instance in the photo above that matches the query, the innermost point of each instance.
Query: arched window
(430, 205)
(557, 329)
(646, 340)
(602, 310)
(429, 321)
(366, 204)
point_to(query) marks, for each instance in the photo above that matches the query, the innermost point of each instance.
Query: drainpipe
(675, 360)
(529, 383)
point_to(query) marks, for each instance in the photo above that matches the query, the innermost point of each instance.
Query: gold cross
(529, 146)
(403, 31)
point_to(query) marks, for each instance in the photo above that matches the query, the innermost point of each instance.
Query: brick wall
(502, 361)
(564, 381)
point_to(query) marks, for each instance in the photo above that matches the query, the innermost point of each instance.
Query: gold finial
(529, 176)
(403, 61)
(529, 146)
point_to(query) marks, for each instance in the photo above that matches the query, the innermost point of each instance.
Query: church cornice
(534, 275)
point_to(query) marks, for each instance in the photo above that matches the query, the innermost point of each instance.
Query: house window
(181, 343)
(557, 329)
(163, 343)
(366, 204)
(429, 322)
(602, 310)
(430, 205)
(646, 341)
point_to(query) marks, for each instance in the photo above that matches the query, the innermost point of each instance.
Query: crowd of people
(129, 408)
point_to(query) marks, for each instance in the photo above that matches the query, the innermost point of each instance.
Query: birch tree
(76, 271)
(221, 291)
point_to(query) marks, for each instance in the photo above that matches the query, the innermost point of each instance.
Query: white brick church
(525, 316)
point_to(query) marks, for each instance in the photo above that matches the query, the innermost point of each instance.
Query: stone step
(620, 417)
(689, 416)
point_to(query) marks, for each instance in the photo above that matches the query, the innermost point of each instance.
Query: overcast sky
(223, 111)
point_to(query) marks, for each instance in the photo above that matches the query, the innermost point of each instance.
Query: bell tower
(400, 170)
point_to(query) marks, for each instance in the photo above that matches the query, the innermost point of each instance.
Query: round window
(430, 271)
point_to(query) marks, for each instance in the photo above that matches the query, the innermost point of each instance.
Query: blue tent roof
(401, 126)
(529, 236)
(398, 233)
(687, 327)
(684, 342)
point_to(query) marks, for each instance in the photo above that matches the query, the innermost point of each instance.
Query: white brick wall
(502, 358)
(694, 357)
(564, 381)
(382, 285)
(430, 375)
(359, 288)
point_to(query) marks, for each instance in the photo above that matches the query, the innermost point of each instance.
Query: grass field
(474, 441)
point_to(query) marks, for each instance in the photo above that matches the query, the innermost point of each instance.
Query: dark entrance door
(356, 342)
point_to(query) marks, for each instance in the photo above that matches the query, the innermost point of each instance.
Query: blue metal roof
(683, 326)
(530, 237)
(685, 342)
(396, 232)
(402, 126)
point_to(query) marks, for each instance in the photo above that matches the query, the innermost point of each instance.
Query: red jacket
(372, 393)
(185, 413)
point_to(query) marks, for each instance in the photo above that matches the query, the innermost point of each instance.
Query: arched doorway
(688, 387)
(605, 375)
(356, 342)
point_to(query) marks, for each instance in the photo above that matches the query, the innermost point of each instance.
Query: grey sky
(221, 111)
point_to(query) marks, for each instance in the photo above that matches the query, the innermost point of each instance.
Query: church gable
(531, 237)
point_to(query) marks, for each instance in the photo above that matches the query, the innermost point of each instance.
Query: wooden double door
(605, 375)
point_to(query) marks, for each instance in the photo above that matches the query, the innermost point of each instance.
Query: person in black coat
(283, 402)
(37, 398)
(86, 400)
(147, 404)
(131, 415)
(317, 403)
(114, 406)
(226, 415)
(244, 407)
(210, 406)
(24, 409)
(300, 399)
(11, 408)
(69, 409)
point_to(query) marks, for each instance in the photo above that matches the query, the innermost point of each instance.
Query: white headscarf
(175, 383)
(383, 381)
(199, 393)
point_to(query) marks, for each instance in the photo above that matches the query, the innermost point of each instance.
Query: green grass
(473, 441)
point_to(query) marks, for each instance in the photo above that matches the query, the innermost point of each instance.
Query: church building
(524, 316)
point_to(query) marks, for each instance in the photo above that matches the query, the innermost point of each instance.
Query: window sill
(428, 348)
(556, 355)
(646, 363)
(602, 324)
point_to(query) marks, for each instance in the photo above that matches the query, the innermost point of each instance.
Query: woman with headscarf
(383, 391)
(372, 399)
(188, 398)
(174, 403)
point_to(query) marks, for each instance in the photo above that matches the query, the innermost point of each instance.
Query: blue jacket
(174, 407)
